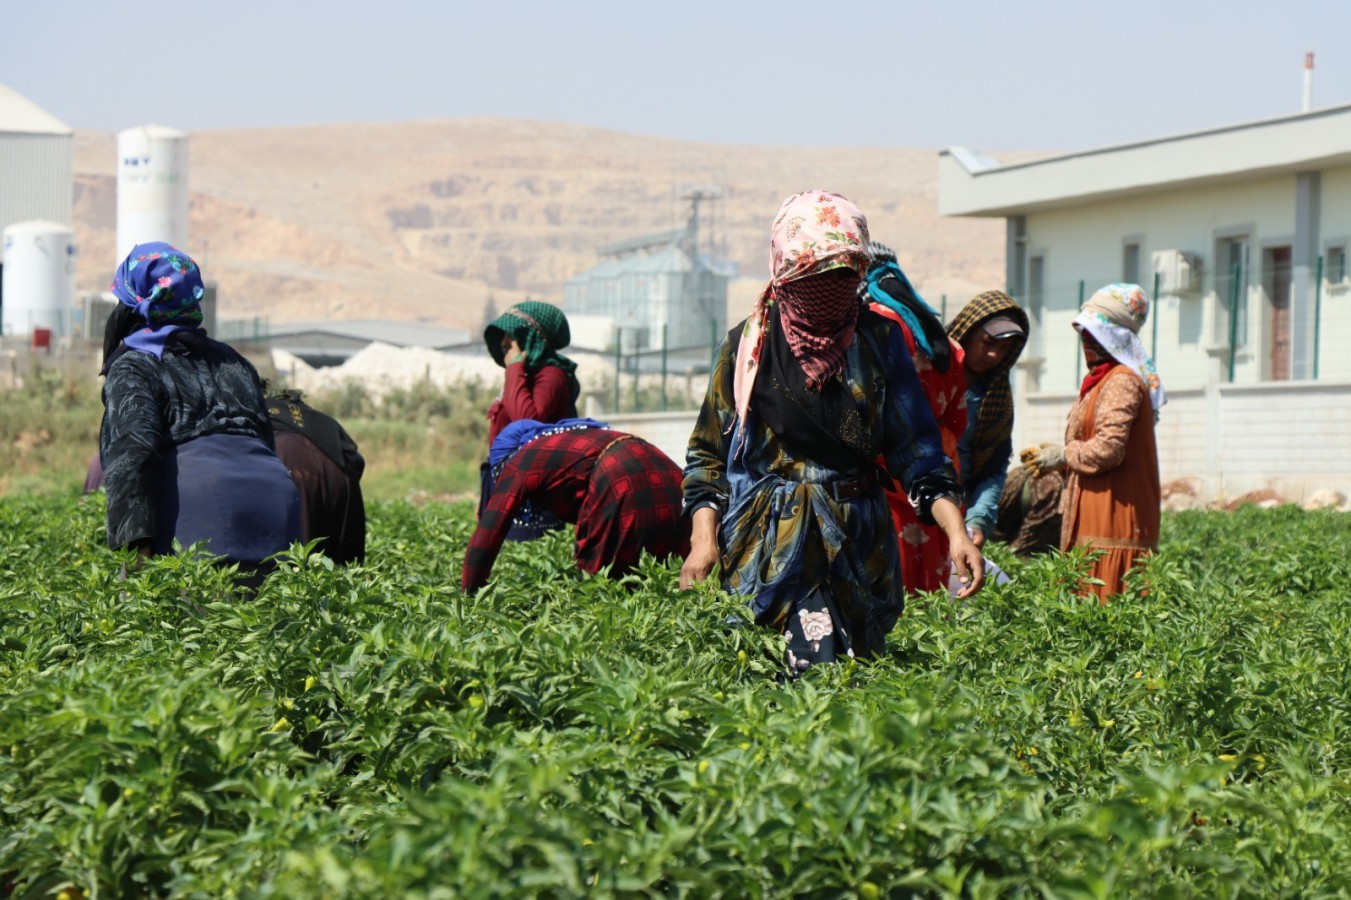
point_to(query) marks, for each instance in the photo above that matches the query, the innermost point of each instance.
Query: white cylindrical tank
(38, 290)
(152, 188)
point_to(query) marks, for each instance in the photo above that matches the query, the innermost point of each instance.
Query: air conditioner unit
(1179, 271)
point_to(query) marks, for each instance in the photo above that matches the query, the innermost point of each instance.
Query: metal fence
(661, 378)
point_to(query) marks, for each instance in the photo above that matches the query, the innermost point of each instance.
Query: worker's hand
(1043, 459)
(511, 351)
(143, 553)
(703, 547)
(968, 565)
(698, 565)
(977, 537)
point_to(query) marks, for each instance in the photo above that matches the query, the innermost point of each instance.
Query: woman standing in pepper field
(782, 482)
(540, 385)
(1110, 459)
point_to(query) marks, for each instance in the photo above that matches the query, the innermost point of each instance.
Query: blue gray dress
(824, 571)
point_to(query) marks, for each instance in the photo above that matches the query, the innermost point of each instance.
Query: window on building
(1130, 263)
(1036, 302)
(1334, 265)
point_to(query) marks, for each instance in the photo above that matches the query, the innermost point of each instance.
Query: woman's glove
(1043, 459)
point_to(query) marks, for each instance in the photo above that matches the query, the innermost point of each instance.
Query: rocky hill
(425, 220)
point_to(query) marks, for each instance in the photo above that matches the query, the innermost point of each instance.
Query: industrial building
(656, 292)
(1240, 235)
(37, 247)
(333, 343)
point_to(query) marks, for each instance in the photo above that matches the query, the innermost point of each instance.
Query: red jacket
(545, 396)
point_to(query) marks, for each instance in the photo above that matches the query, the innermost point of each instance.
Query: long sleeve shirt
(199, 387)
(1118, 407)
(981, 489)
(545, 396)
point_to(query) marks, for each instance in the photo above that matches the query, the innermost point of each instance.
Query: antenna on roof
(698, 194)
(1308, 81)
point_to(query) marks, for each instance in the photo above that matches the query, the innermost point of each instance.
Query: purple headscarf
(164, 286)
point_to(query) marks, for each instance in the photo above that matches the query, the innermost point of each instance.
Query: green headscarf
(541, 330)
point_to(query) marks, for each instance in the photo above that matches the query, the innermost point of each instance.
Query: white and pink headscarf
(1114, 316)
(814, 232)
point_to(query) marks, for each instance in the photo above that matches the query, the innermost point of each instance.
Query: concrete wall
(1289, 437)
(668, 431)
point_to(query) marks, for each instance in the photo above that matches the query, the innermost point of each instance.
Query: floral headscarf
(164, 286)
(815, 231)
(1114, 316)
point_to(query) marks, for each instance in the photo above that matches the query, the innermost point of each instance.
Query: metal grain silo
(152, 187)
(38, 278)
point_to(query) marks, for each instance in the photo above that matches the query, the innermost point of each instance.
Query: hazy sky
(985, 74)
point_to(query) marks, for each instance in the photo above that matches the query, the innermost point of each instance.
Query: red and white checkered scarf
(818, 315)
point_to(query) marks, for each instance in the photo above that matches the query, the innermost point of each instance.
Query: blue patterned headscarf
(164, 286)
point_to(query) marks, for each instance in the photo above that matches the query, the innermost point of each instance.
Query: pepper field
(374, 732)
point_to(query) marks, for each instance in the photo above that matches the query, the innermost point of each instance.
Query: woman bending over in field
(186, 445)
(622, 493)
(326, 467)
(782, 480)
(1112, 494)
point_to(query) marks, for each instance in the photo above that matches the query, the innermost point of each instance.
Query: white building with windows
(1240, 235)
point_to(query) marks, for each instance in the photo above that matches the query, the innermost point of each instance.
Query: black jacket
(150, 405)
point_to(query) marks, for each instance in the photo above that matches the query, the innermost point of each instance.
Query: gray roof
(971, 185)
(669, 259)
(399, 334)
(19, 115)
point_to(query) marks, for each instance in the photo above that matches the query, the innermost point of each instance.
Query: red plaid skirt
(632, 504)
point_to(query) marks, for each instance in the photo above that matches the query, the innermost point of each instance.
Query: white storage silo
(39, 278)
(152, 188)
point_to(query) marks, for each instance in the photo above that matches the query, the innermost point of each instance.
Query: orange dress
(1112, 496)
(924, 548)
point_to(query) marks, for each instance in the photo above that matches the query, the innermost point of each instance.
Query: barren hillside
(424, 220)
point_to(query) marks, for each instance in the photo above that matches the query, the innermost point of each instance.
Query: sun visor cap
(1002, 327)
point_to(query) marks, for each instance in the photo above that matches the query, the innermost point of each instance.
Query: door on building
(1278, 283)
